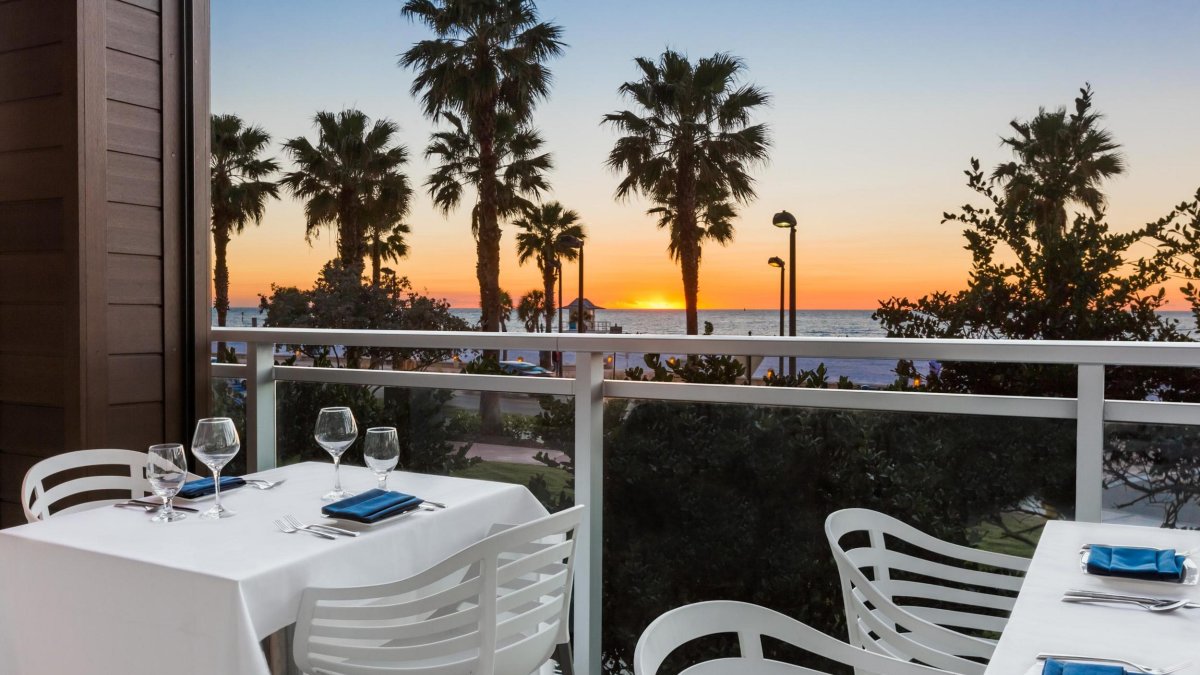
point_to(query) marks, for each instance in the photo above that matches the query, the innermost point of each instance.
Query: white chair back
(499, 606)
(128, 477)
(926, 599)
(752, 623)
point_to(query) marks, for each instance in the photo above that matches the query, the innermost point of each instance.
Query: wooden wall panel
(29, 73)
(41, 121)
(31, 23)
(137, 426)
(132, 329)
(134, 229)
(33, 174)
(33, 278)
(134, 180)
(134, 280)
(133, 30)
(35, 225)
(135, 378)
(134, 130)
(33, 329)
(133, 79)
(31, 430)
(33, 380)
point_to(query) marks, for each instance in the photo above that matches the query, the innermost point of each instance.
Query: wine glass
(166, 469)
(214, 444)
(381, 450)
(335, 432)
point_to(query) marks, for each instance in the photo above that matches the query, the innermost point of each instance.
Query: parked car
(523, 368)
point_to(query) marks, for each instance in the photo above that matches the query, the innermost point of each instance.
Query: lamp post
(558, 355)
(776, 261)
(785, 219)
(568, 241)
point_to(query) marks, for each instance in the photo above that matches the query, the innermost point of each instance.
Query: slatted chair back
(751, 623)
(499, 606)
(40, 490)
(916, 597)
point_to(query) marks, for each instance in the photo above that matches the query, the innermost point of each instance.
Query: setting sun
(652, 302)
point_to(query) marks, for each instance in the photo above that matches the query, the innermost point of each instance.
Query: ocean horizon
(853, 323)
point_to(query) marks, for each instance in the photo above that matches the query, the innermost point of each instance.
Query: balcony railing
(589, 386)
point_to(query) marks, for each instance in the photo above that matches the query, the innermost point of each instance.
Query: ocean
(814, 323)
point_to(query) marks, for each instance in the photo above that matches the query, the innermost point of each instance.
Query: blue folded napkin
(1136, 563)
(205, 486)
(1053, 667)
(372, 506)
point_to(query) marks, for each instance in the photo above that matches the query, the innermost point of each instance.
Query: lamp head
(569, 241)
(775, 261)
(783, 219)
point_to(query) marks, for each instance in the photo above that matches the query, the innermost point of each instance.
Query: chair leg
(277, 652)
(562, 655)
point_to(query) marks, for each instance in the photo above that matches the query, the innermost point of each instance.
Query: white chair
(129, 479)
(497, 607)
(926, 599)
(751, 623)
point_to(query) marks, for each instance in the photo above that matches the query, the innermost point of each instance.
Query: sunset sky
(877, 108)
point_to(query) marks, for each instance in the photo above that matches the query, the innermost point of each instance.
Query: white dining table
(1042, 623)
(107, 591)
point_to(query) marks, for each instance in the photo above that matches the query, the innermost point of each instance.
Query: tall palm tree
(350, 179)
(385, 243)
(691, 137)
(714, 219)
(239, 192)
(1059, 159)
(487, 60)
(538, 240)
(521, 167)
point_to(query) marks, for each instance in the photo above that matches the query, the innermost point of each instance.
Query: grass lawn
(509, 472)
(994, 539)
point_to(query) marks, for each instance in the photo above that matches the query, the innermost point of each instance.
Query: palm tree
(239, 192)
(385, 243)
(350, 180)
(487, 61)
(691, 137)
(714, 220)
(521, 167)
(1059, 159)
(529, 310)
(538, 240)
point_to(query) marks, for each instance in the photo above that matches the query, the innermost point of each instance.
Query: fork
(262, 484)
(292, 530)
(1162, 607)
(1148, 670)
(294, 522)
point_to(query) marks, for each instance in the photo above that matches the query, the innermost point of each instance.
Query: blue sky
(877, 107)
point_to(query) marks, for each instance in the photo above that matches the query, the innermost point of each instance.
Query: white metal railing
(1089, 408)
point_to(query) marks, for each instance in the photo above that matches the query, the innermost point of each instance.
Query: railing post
(1089, 444)
(260, 406)
(589, 490)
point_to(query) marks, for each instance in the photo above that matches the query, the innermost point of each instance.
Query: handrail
(1088, 408)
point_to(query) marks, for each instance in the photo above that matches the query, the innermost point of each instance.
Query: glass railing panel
(441, 431)
(724, 501)
(1152, 475)
(227, 399)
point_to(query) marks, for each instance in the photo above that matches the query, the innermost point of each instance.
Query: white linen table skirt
(106, 591)
(1041, 622)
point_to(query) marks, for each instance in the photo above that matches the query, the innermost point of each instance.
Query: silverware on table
(1148, 670)
(262, 484)
(437, 504)
(288, 529)
(294, 522)
(1100, 595)
(1156, 607)
(154, 506)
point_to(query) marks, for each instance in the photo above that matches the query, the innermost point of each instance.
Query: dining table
(107, 591)
(1041, 622)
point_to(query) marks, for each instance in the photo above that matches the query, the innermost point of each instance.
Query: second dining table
(107, 591)
(1042, 623)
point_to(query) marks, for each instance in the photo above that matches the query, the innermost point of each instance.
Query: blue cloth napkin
(372, 506)
(1136, 563)
(205, 486)
(1053, 667)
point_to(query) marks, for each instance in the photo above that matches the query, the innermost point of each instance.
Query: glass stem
(168, 504)
(382, 481)
(337, 476)
(217, 485)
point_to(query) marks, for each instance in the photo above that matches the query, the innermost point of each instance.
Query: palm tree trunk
(221, 278)
(375, 245)
(548, 305)
(487, 266)
(689, 247)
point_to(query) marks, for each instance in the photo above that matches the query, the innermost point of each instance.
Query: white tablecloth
(1041, 622)
(107, 591)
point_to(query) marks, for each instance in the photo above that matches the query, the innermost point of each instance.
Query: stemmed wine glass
(166, 469)
(214, 444)
(335, 432)
(381, 450)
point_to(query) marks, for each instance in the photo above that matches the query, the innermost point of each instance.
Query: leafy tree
(537, 240)
(239, 193)
(351, 179)
(529, 310)
(688, 148)
(486, 66)
(386, 244)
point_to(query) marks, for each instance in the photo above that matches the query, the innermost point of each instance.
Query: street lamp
(776, 261)
(566, 241)
(558, 354)
(785, 219)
